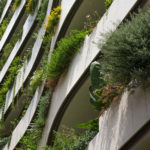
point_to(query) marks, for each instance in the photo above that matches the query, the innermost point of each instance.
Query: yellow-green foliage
(108, 3)
(52, 20)
(31, 5)
(16, 4)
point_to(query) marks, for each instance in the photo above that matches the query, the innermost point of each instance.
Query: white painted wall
(117, 12)
(22, 126)
(122, 120)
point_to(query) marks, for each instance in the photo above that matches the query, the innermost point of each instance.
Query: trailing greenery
(69, 139)
(62, 55)
(52, 20)
(33, 135)
(126, 54)
(108, 3)
(8, 82)
(2, 5)
(31, 5)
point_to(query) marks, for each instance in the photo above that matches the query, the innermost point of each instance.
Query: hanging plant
(61, 56)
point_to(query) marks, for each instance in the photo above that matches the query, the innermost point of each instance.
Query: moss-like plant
(52, 20)
(62, 55)
(108, 3)
(126, 52)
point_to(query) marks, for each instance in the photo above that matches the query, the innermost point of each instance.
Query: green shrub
(69, 139)
(62, 55)
(127, 51)
(108, 3)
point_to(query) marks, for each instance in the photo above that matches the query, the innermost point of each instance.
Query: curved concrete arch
(12, 23)
(88, 52)
(5, 10)
(26, 30)
(22, 126)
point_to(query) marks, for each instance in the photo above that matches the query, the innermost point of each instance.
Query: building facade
(37, 35)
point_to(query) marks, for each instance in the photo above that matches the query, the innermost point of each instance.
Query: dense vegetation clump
(126, 54)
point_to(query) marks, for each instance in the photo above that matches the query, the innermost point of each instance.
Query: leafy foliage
(62, 55)
(108, 3)
(127, 52)
(69, 139)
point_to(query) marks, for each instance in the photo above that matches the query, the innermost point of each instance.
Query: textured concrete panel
(121, 121)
